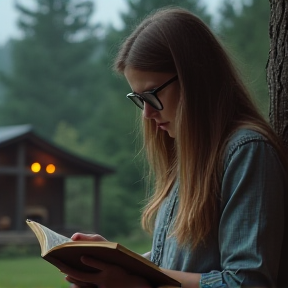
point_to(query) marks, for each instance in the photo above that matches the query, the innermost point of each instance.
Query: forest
(59, 78)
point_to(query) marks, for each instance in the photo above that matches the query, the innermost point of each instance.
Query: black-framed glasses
(150, 97)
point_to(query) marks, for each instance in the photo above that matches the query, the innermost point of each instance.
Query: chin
(172, 135)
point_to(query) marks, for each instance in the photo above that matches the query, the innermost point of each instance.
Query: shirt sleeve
(251, 223)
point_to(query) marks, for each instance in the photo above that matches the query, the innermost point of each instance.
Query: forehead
(141, 81)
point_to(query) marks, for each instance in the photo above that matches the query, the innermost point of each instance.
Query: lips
(162, 125)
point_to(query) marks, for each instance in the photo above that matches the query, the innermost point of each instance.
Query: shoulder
(245, 140)
(242, 137)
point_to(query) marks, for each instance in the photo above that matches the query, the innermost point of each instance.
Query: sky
(107, 12)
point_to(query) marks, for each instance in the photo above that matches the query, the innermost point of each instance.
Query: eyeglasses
(150, 97)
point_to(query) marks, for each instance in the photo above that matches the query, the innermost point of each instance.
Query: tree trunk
(277, 68)
(277, 78)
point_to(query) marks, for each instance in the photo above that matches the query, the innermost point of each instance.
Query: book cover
(54, 245)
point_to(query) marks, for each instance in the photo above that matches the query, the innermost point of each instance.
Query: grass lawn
(31, 272)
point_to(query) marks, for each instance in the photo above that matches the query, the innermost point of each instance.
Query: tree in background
(6, 64)
(138, 9)
(244, 30)
(51, 65)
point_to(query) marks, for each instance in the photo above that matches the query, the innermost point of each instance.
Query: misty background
(55, 73)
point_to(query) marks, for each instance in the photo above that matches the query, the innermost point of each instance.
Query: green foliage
(244, 29)
(139, 242)
(51, 65)
(138, 9)
(66, 133)
(5, 65)
(79, 191)
(5, 57)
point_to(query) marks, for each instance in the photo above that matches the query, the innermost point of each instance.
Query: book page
(53, 239)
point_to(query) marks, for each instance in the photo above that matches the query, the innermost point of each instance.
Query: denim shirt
(246, 247)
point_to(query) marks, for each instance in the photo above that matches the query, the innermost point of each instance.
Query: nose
(148, 111)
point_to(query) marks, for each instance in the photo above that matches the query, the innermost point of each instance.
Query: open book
(54, 245)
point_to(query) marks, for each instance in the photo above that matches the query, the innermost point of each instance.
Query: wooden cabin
(32, 181)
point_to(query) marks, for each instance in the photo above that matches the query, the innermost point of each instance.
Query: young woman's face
(142, 81)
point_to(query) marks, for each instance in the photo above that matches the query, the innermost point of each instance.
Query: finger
(74, 286)
(87, 237)
(65, 269)
(75, 283)
(81, 278)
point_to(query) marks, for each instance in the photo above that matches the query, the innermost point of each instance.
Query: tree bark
(277, 68)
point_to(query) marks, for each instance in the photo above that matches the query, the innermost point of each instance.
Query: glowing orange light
(35, 167)
(50, 168)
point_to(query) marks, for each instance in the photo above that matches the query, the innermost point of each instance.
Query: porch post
(20, 193)
(96, 208)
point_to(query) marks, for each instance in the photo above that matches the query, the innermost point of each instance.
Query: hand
(110, 276)
(87, 237)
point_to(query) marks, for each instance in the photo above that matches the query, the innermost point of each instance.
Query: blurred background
(56, 76)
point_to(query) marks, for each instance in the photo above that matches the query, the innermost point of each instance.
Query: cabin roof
(8, 133)
(11, 135)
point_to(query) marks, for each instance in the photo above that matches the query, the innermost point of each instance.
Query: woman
(218, 208)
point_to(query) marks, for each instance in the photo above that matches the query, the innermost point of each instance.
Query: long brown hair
(213, 104)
